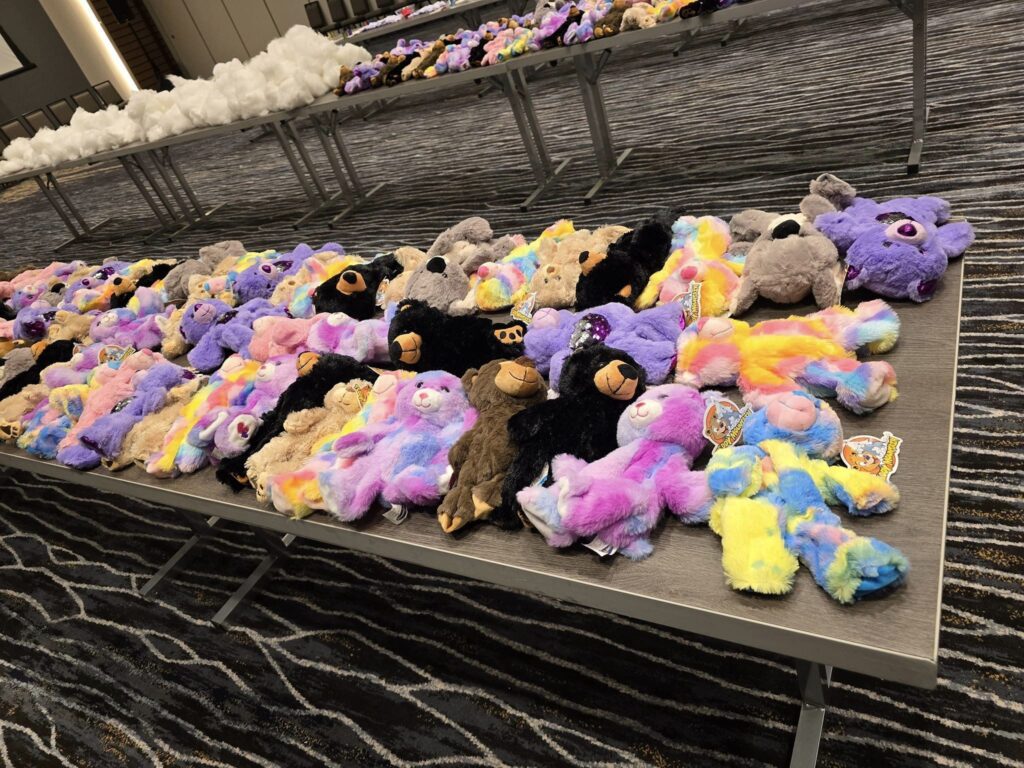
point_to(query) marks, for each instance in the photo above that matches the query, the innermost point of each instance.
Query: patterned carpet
(345, 659)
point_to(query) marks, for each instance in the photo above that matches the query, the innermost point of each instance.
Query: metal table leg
(513, 84)
(814, 680)
(277, 548)
(360, 193)
(289, 153)
(72, 218)
(919, 19)
(193, 198)
(179, 199)
(588, 73)
(202, 528)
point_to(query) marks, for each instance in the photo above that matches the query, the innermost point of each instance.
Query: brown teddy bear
(562, 261)
(498, 390)
(303, 431)
(70, 326)
(610, 23)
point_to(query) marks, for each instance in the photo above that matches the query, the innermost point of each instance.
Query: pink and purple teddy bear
(136, 325)
(230, 331)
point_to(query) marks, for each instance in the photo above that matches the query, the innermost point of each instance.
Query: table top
(682, 585)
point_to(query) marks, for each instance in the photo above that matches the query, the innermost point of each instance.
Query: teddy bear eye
(444, 389)
(419, 384)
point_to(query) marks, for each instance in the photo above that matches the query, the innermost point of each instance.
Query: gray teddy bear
(787, 258)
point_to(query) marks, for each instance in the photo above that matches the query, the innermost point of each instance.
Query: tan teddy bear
(562, 261)
(410, 258)
(146, 437)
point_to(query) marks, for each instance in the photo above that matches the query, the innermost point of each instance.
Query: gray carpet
(345, 659)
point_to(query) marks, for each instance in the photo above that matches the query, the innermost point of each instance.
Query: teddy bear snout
(792, 412)
(427, 399)
(436, 265)
(785, 229)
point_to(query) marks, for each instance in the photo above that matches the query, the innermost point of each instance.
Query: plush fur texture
(630, 261)
(318, 374)
(199, 317)
(597, 384)
(354, 291)
(817, 352)
(231, 332)
(772, 501)
(403, 460)
(900, 248)
(147, 435)
(16, 362)
(363, 340)
(480, 458)
(498, 284)
(49, 354)
(561, 261)
(279, 335)
(650, 336)
(176, 283)
(70, 326)
(136, 325)
(421, 338)
(619, 498)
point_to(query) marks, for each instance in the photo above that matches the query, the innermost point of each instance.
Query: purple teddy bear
(33, 321)
(137, 325)
(898, 249)
(200, 317)
(232, 332)
(260, 280)
(651, 336)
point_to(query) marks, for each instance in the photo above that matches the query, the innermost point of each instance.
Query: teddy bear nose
(584, 255)
(436, 265)
(349, 277)
(785, 229)
(628, 371)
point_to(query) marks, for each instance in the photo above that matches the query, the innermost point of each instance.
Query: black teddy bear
(596, 385)
(422, 338)
(623, 274)
(55, 352)
(317, 376)
(158, 272)
(354, 291)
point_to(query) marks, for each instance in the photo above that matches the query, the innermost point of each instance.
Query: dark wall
(55, 73)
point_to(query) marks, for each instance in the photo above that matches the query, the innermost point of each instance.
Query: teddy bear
(113, 390)
(816, 352)
(70, 326)
(32, 322)
(786, 257)
(651, 336)
(280, 335)
(560, 264)
(630, 261)
(700, 256)
(898, 249)
(27, 285)
(135, 325)
(771, 507)
(358, 77)
(639, 16)
(424, 58)
(496, 284)
(479, 459)
(421, 338)
(210, 258)
(354, 291)
(410, 258)
(16, 362)
(404, 459)
(229, 385)
(317, 374)
(619, 498)
(301, 431)
(104, 438)
(297, 491)
(611, 21)
(147, 433)
(596, 385)
(364, 340)
(231, 332)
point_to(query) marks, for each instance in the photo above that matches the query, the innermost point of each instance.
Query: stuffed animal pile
(328, 382)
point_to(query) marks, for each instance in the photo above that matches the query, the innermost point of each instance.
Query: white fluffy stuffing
(295, 70)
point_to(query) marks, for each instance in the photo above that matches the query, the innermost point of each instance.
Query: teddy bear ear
(748, 225)
(468, 378)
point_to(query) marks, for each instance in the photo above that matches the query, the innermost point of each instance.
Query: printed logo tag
(524, 309)
(382, 290)
(723, 423)
(601, 548)
(691, 302)
(878, 456)
(397, 514)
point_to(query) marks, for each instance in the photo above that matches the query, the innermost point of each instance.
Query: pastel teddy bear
(147, 434)
(817, 352)
(619, 498)
(104, 438)
(297, 491)
(114, 390)
(316, 375)
(561, 261)
(480, 458)
(404, 459)
(771, 508)
(45, 355)
(176, 282)
(31, 323)
(786, 257)
(411, 259)
(296, 291)
(363, 340)
(700, 257)
(135, 325)
(651, 336)
(597, 384)
(276, 335)
(302, 431)
(231, 332)
(898, 249)
(29, 286)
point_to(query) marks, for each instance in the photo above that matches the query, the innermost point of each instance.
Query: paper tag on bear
(691, 301)
(723, 423)
(524, 309)
(397, 514)
(381, 299)
(878, 456)
(602, 548)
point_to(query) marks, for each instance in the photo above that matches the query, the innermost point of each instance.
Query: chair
(62, 110)
(15, 129)
(108, 94)
(360, 8)
(339, 13)
(87, 100)
(38, 119)
(384, 4)
(315, 15)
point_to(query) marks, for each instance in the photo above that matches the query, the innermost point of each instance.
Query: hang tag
(692, 304)
(381, 299)
(601, 548)
(524, 309)
(397, 514)
(723, 423)
(539, 524)
(878, 456)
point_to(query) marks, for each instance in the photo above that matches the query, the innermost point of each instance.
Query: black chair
(340, 17)
(38, 119)
(384, 5)
(360, 8)
(315, 16)
(62, 110)
(108, 94)
(87, 100)
(15, 129)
